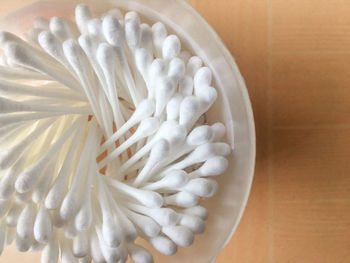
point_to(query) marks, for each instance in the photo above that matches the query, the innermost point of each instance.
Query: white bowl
(233, 108)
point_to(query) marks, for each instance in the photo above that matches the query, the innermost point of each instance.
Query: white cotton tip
(26, 221)
(189, 109)
(145, 109)
(159, 33)
(29, 177)
(23, 244)
(181, 235)
(219, 130)
(171, 47)
(147, 127)
(173, 107)
(201, 187)
(143, 60)
(146, 37)
(163, 245)
(10, 235)
(51, 44)
(198, 210)
(132, 33)
(214, 166)
(111, 232)
(164, 216)
(94, 27)
(172, 180)
(164, 91)
(82, 16)
(202, 77)
(55, 195)
(202, 153)
(60, 28)
(157, 68)
(69, 205)
(13, 215)
(182, 199)
(193, 64)
(51, 251)
(127, 227)
(113, 31)
(192, 222)
(149, 198)
(111, 254)
(172, 132)
(200, 135)
(95, 249)
(222, 148)
(42, 226)
(80, 245)
(207, 95)
(139, 254)
(83, 218)
(4, 206)
(146, 224)
(176, 69)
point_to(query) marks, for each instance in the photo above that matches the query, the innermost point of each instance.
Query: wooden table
(295, 57)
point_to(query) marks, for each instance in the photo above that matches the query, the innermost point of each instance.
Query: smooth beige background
(295, 57)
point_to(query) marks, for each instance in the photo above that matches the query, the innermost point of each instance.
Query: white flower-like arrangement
(103, 139)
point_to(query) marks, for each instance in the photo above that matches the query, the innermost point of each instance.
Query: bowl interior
(232, 107)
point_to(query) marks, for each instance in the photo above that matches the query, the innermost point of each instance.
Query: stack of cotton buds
(102, 141)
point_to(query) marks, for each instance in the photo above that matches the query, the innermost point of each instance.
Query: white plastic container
(232, 107)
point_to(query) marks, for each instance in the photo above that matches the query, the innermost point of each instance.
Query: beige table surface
(295, 57)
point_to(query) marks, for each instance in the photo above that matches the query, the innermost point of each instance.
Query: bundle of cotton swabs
(102, 141)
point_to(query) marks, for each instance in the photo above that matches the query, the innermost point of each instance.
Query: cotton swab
(143, 111)
(163, 216)
(173, 107)
(43, 226)
(51, 251)
(160, 150)
(181, 235)
(60, 28)
(173, 180)
(159, 35)
(193, 65)
(146, 224)
(182, 199)
(25, 222)
(148, 198)
(80, 245)
(138, 254)
(212, 167)
(82, 16)
(163, 245)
